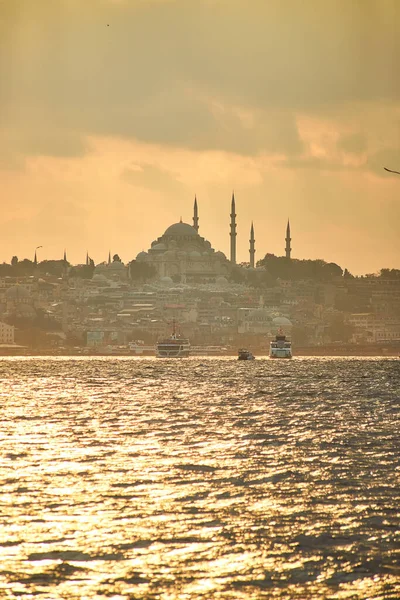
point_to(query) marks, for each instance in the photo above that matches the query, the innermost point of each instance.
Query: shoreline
(301, 353)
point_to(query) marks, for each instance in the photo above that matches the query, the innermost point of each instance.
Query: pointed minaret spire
(288, 249)
(195, 216)
(65, 264)
(252, 246)
(233, 230)
(35, 259)
(109, 257)
(87, 258)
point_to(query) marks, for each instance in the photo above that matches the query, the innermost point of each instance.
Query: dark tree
(52, 267)
(82, 271)
(14, 261)
(6, 270)
(295, 269)
(390, 273)
(237, 275)
(141, 271)
(25, 267)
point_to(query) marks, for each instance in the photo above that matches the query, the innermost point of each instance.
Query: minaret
(195, 216)
(233, 230)
(109, 257)
(288, 240)
(87, 258)
(252, 246)
(65, 264)
(35, 259)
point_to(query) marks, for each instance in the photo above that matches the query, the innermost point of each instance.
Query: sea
(200, 478)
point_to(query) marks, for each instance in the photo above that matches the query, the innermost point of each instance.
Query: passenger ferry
(280, 347)
(175, 346)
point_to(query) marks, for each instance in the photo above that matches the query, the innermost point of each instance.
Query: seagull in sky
(390, 171)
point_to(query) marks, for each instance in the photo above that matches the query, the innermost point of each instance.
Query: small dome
(166, 280)
(180, 230)
(220, 255)
(221, 280)
(181, 254)
(170, 254)
(99, 277)
(142, 256)
(194, 254)
(159, 246)
(282, 322)
(17, 292)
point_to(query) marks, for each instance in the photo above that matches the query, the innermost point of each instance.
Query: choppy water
(180, 479)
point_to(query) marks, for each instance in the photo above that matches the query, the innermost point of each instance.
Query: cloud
(354, 143)
(160, 71)
(148, 176)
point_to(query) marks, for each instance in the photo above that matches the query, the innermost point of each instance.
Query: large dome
(181, 229)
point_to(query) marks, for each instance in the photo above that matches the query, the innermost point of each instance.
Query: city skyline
(295, 108)
(231, 253)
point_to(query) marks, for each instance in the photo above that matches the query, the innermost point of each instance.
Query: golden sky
(115, 113)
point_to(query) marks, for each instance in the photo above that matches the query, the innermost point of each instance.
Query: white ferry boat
(175, 346)
(280, 347)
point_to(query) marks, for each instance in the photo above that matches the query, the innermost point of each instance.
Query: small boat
(245, 355)
(175, 346)
(280, 347)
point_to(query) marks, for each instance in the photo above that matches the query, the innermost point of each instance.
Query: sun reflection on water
(151, 479)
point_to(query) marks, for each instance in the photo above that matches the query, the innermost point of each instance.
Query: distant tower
(288, 240)
(252, 246)
(65, 264)
(109, 257)
(35, 259)
(233, 231)
(195, 216)
(87, 258)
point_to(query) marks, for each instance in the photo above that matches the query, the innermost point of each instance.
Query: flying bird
(390, 171)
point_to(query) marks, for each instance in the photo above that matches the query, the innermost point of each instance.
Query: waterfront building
(6, 334)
